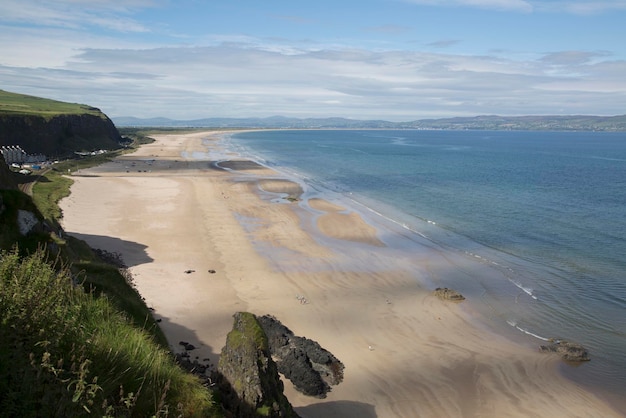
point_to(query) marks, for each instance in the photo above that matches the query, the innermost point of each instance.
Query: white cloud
(388, 29)
(501, 5)
(573, 58)
(47, 51)
(242, 80)
(75, 13)
(443, 43)
(581, 7)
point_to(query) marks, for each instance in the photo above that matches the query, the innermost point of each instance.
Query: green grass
(21, 104)
(66, 352)
(104, 279)
(250, 328)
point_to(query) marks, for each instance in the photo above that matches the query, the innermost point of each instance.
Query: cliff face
(250, 383)
(59, 135)
(6, 178)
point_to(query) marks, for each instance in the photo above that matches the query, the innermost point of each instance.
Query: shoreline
(167, 214)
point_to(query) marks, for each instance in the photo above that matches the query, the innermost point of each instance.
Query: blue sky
(397, 60)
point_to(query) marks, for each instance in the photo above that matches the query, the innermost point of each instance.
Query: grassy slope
(21, 104)
(65, 352)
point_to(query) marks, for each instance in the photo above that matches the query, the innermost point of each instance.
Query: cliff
(58, 135)
(53, 128)
(6, 177)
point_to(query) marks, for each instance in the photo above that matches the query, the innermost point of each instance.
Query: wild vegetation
(75, 337)
(67, 352)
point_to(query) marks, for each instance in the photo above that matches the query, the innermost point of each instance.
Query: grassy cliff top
(21, 104)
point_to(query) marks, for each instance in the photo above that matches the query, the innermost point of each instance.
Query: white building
(13, 154)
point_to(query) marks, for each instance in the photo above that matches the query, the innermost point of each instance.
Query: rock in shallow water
(568, 351)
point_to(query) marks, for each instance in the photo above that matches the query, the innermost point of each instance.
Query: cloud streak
(49, 51)
(76, 14)
(241, 80)
(581, 7)
(500, 5)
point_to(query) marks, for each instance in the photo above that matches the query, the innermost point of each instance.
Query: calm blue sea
(547, 209)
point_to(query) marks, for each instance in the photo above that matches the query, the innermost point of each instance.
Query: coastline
(167, 214)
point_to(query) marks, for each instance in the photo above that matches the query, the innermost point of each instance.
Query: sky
(396, 60)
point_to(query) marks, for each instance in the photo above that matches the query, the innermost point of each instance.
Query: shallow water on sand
(533, 224)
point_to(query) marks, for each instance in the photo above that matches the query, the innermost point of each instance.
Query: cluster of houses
(14, 154)
(20, 160)
(17, 158)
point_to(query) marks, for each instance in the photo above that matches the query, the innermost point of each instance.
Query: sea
(545, 210)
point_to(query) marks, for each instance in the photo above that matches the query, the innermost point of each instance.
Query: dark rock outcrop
(59, 135)
(311, 368)
(24, 220)
(448, 294)
(7, 182)
(568, 351)
(21, 223)
(248, 377)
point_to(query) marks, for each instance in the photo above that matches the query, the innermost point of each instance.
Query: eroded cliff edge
(59, 135)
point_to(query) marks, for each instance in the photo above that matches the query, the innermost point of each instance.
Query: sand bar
(168, 208)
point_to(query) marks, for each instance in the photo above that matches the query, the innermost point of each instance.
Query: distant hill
(53, 128)
(531, 123)
(270, 122)
(491, 122)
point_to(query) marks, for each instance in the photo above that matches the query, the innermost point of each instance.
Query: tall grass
(65, 352)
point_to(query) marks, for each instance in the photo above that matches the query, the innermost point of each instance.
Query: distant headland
(487, 122)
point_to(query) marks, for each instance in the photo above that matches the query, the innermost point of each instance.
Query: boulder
(448, 294)
(248, 377)
(27, 221)
(568, 351)
(311, 368)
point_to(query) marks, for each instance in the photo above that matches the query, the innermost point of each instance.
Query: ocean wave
(527, 290)
(525, 331)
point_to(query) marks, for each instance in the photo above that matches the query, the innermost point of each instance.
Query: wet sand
(406, 353)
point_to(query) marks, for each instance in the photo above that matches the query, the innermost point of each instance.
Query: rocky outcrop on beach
(311, 368)
(448, 294)
(248, 377)
(569, 351)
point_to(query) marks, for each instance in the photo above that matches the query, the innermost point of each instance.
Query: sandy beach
(174, 214)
